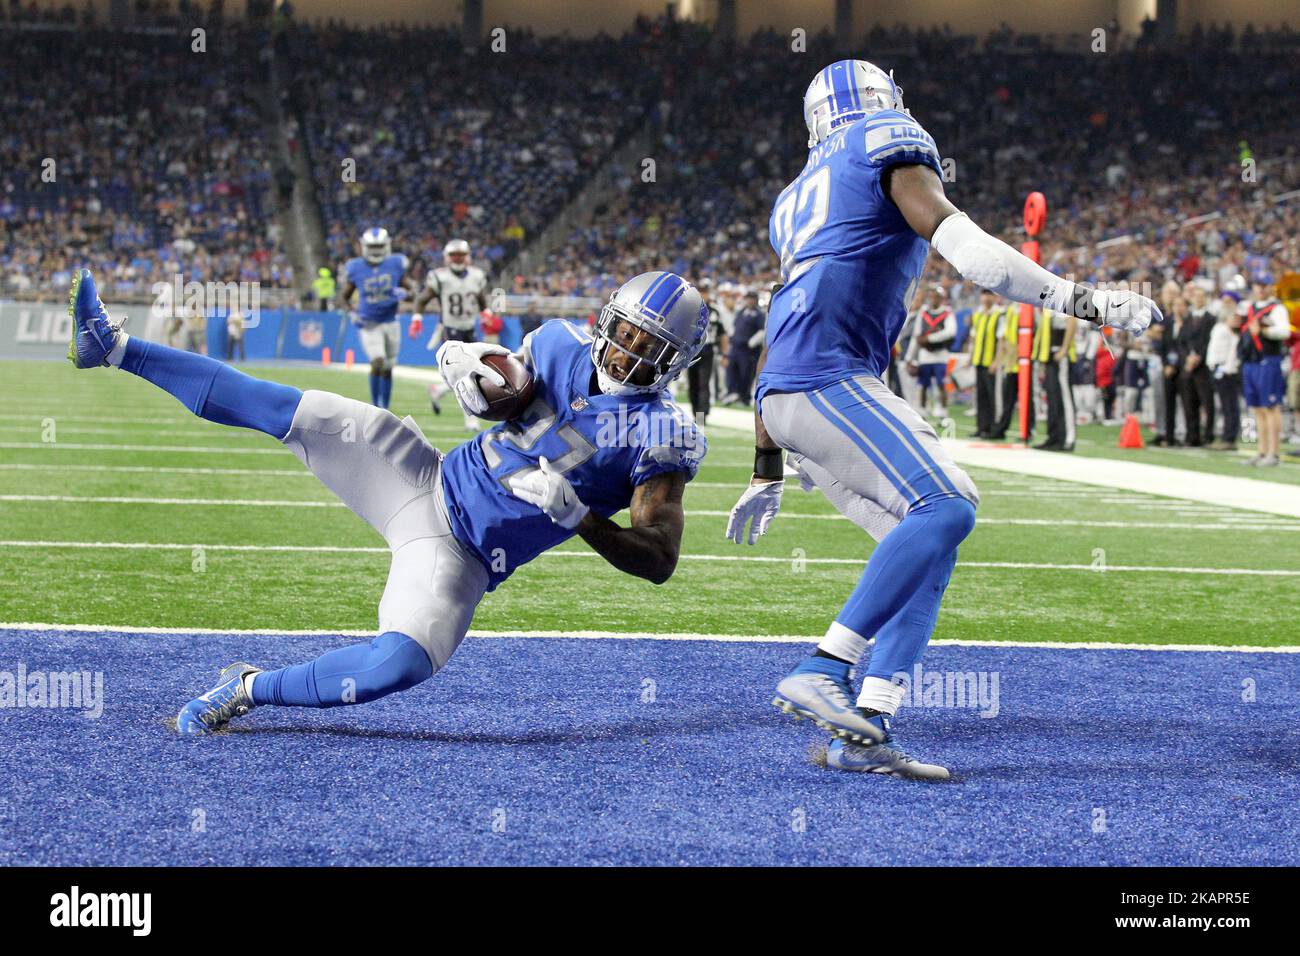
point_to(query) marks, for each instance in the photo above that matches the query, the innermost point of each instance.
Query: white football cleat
(884, 759)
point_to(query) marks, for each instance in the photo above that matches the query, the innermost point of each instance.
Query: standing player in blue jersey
(602, 434)
(852, 232)
(378, 276)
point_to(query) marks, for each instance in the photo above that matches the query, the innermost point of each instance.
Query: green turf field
(102, 434)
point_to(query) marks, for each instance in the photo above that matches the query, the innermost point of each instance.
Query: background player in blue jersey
(851, 232)
(378, 278)
(601, 435)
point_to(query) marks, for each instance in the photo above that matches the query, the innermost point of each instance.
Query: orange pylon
(1130, 435)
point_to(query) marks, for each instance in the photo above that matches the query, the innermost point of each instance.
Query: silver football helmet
(844, 92)
(455, 255)
(667, 309)
(376, 246)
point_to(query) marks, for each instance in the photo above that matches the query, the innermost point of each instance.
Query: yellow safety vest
(1011, 331)
(1042, 348)
(324, 287)
(984, 337)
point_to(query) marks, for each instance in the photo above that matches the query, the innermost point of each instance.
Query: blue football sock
(212, 389)
(349, 675)
(374, 389)
(902, 641)
(925, 540)
(829, 666)
(385, 390)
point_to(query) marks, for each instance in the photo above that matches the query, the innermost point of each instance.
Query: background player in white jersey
(601, 434)
(851, 232)
(459, 289)
(378, 278)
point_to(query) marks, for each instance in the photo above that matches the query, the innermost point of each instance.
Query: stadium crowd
(1161, 164)
(408, 129)
(155, 168)
(1126, 155)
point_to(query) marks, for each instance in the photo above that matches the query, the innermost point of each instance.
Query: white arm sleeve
(992, 264)
(1277, 324)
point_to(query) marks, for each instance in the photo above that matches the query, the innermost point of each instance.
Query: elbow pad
(992, 264)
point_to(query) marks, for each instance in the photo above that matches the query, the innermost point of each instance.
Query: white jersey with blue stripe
(849, 260)
(377, 285)
(605, 445)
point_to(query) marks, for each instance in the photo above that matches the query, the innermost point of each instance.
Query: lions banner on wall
(40, 330)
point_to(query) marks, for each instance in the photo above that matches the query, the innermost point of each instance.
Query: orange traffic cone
(1130, 435)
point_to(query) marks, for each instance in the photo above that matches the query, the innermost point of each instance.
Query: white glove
(759, 503)
(461, 364)
(1122, 309)
(549, 490)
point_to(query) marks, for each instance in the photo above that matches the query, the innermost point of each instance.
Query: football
(507, 402)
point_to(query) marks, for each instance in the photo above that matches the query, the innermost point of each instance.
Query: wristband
(767, 463)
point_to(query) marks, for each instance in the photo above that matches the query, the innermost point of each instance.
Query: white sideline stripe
(1250, 494)
(1250, 524)
(639, 636)
(763, 559)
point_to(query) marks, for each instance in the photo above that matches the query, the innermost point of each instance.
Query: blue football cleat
(883, 758)
(215, 709)
(819, 690)
(93, 335)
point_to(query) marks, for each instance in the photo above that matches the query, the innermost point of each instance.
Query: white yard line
(60, 427)
(161, 469)
(1250, 523)
(752, 558)
(196, 449)
(204, 502)
(641, 636)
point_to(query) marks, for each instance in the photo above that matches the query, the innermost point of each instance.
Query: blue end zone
(549, 740)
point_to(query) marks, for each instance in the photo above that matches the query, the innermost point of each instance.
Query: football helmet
(668, 309)
(455, 255)
(376, 246)
(844, 92)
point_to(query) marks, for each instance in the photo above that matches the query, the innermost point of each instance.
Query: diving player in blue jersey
(602, 434)
(378, 276)
(851, 232)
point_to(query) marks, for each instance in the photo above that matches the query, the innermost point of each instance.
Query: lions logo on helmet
(656, 320)
(376, 246)
(844, 92)
(455, 255)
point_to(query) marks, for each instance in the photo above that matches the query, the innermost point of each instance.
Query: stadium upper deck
(167, 168)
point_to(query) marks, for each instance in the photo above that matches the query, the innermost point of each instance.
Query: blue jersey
(605, 445)
(377, 285)
(849, 260)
